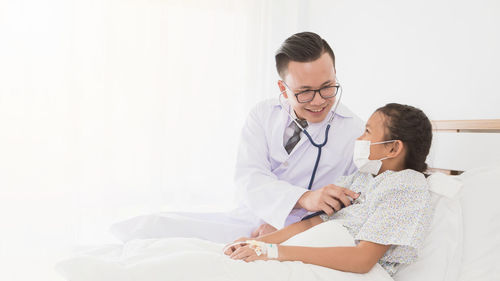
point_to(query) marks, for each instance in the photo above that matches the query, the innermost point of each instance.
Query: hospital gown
(394, 208)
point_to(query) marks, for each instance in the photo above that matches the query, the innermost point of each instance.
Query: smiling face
(301, 76)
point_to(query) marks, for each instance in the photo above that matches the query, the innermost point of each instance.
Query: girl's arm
(286, 233)
(358, 259)
(281, 235)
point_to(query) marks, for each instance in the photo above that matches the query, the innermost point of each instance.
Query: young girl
(389, 218)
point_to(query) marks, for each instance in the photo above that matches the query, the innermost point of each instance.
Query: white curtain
(116, 108)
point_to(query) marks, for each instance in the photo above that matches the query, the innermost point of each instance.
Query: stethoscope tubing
(319, 146)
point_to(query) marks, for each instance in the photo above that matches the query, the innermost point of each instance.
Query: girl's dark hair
(301, 47)
(413, 128)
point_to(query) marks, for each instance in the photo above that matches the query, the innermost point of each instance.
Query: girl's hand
(248, 254)
(233, 248)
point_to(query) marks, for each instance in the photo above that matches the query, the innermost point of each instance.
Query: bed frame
(463, 126)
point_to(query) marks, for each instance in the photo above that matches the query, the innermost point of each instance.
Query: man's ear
(282, 87)
(397, 149)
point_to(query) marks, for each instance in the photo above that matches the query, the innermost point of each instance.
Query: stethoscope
(318, 145)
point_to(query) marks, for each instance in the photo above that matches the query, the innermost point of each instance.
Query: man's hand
(329, 199)
(262, 230)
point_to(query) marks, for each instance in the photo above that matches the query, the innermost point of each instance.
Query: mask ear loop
(393, 148)
(384, 142)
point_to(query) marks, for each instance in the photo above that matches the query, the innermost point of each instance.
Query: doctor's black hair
(413, 128)
(301, 47)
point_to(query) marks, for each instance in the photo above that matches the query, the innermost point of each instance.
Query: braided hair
(413, 128)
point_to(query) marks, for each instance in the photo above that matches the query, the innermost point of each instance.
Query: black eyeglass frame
(337, 86)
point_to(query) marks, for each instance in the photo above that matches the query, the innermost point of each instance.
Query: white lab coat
(269, 181)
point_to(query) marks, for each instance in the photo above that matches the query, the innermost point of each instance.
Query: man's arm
(263, 229)
(329, 199)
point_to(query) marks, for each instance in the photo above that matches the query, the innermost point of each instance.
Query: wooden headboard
(475, 126)
(464, 126)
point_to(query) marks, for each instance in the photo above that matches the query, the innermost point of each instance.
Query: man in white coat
(275, 159)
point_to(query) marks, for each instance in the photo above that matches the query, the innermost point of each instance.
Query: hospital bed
(463, 243)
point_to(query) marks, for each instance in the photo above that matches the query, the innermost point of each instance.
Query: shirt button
(285, 164)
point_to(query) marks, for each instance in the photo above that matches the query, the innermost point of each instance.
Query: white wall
(441, 56)
(101, 106)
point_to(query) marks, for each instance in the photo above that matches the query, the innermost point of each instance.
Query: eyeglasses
(327, 92)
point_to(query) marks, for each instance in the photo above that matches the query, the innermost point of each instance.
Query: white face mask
(361, 154)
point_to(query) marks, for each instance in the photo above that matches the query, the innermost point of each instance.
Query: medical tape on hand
(270, 249)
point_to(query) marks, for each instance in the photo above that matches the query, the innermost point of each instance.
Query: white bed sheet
(194, 259)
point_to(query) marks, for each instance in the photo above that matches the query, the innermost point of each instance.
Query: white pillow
(481, 211)
(439, 258)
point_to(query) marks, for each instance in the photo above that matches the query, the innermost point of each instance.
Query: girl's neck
(391, 166)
